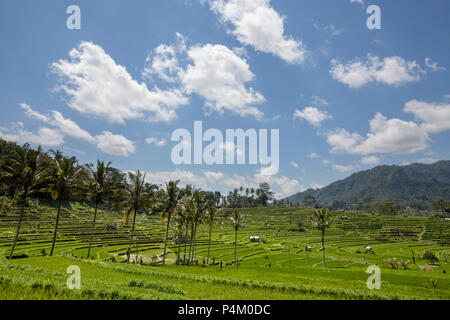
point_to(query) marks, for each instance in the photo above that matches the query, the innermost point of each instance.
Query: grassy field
(278, 267)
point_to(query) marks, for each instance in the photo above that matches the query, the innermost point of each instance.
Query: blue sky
(344, 97)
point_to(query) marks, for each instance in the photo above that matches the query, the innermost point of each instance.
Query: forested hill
(416, 185)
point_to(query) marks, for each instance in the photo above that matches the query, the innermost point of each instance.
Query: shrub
(431, 257)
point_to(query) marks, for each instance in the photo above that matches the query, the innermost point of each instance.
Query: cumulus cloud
(115, 145)
(97, 85)
(219, 76)
(313, 115)
(286, 185)
(213, 177)
(163, 62)
(392, 136)
(107, 142)
(294, 164)
(394, 71)
(156, 142)
(370, 160)
(435, 116)
(214, 72)
(259, 25)
(341, 168)
(45, 137)
(185, 177)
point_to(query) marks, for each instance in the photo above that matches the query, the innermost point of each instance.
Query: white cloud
(370, 160)
(295, 165)
(341, 168)
(34, 114)
(213, 177)
(97, 85)
(163, 62)
(393, 136)
(258, 25)
(313, 156)
(115, 145)
(156, 142)
(185, 177)
(318, 101)
(219, 76)
(427, 160)
(435, 116)
(66, 126)
(214, 72)
(394, 71)
(433, 65)
(316, 186)
(107, 142)
(357, 1)
(45, 137)
(313, 115)
(286, 185)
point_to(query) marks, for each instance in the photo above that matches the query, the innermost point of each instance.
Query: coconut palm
(63, 176)
(166, 205)
(185, 214)
(200, 206)
(98, 185)
(135, 196)
(25, 169)
(321, 219)
(237, 221)
(211, 212)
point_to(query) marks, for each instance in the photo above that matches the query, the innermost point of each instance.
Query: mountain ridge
(416, 185)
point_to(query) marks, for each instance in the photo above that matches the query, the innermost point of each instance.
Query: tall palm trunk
(190, 243)
(323, 247)
(185, 241)
(22, 214)
(179, 246)
(92, 230)
(209, 244)
(235, 249)
(56, 224)
(132, 232)
(193, 242)
(165, 241)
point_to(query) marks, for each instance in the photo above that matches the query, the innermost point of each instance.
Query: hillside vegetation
(416, 185)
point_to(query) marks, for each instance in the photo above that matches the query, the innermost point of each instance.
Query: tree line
(27, 173)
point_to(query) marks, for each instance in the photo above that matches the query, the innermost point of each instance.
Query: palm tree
(321, 219)
(211, 211)
(136, 194)
(167, 205)
(63, 176)
(185, 213)
(25, 169)
(237, 220)
(200, 206)
(99, 183)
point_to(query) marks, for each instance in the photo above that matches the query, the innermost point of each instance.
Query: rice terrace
(276, 252)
